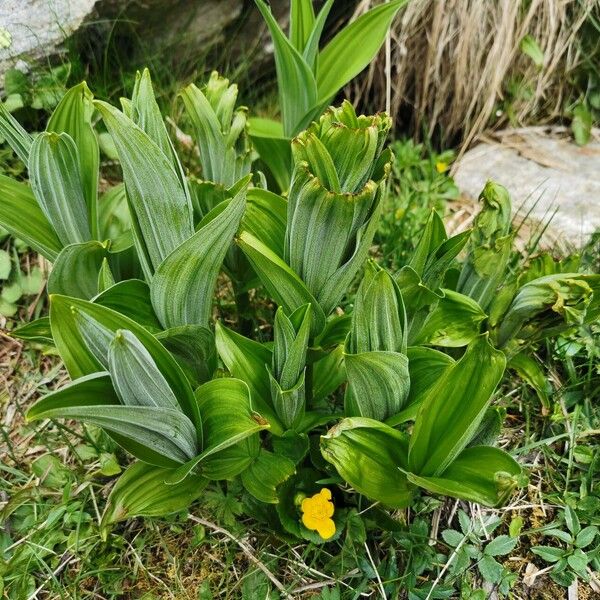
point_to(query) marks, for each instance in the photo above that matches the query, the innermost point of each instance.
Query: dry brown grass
(451, 61)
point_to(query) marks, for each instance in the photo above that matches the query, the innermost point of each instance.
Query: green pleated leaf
(479, 474)
(266, 473)
(454, 321)
(159, 436)
(367, 454)
(69, 315)
(95, 389)
(18, 139)
(280, 281)
(274, 149)
(105, 278)
(141, 491)
(247, 360)
(161, 206)
(453, 408)
(227, 418)
(194, 349)
(425, 366)
(311, 46)
(35, 331)
(73, 116)
(550, 304)
(433, 236)
(290, 345)
(54, 171)
(289, 404)
(113, 213)
(295, 79)
(379, 316)
(265, 218)
(136, 378)
(343, 59)
(328, 374)
(145, 113)
(221, 130)
(132, 299)
(490, 246)
(378, 384)
(533, 372)
(21, 215)
(76, 269)
(183, 286)
(232, 461)
(302, 21)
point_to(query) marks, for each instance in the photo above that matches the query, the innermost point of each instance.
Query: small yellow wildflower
(441, 167)
(317, 512)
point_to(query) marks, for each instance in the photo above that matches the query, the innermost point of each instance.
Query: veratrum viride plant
(388, 398)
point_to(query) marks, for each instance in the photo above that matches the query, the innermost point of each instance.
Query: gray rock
(544, 171)
(173, 30)
(32, 29)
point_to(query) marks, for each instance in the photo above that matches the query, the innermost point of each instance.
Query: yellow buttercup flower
(317, 512)
(441, 167)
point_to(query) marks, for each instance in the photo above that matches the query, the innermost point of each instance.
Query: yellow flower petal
(317, 512)
(326, 529)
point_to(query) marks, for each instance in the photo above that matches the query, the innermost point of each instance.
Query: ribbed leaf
(367, 454)
(183, 286)
(57, 185)
(379, 317)
(21, 215)
(132, 299)
(35, 331)
(302, 20)
(265, 218)
(221, 131)
(479, 474)
(162, 208)
(295, 79)
(113, 213)
(454, 407)
(141, 491)
(18, 139)
(280, 281)
(290, 345)
(289, 403)
(73, 116)
(227, 418)
(328, 374)
(76, 269)
(265, 474)
(194, 349)
(247, 360)
(160, 436)
(455, 321)
(145, 113)
(343, 59)
(550, 304)
(490, 247)
(378, 384)
(136, 378)
(69, 315)
(311, 47)
(274, 149)
(425, 366)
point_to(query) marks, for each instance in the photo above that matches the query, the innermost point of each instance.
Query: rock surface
(176, 30)
(544, 171)
(32, 29)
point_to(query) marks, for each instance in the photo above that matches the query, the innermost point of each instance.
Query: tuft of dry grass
(457, 64)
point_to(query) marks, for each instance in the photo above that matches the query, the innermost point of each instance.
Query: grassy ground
(56, 477)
